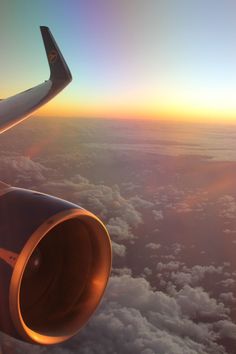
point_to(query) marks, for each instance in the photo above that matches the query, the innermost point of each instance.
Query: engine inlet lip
(22, 260)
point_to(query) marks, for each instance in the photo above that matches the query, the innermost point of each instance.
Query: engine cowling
(55, 261)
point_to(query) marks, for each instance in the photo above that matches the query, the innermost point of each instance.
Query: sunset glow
(157, 60)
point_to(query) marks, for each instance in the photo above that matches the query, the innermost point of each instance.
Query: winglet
(59, 70)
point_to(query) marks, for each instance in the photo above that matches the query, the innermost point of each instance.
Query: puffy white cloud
(177, 248)
(21, 170)
(182, 207)
(136, 319)
(129, 186)
(227, 297)
(195, 274)
(197, 304)
(181, 201)
(141, 203)
(158, 215)
(227, 282)
(119, 229)
(103, 200)
(121, 271)
(226, 329)
(153, 246)
(170, 266)
(181, 278)
(168, 257)
(147, 272)
(118, 250)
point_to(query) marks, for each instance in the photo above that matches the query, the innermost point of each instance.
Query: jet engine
(55, 260)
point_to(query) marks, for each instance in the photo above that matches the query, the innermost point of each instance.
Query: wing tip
(43, 27)
(59, 70)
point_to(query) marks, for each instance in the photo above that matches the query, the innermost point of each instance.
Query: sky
(158, 59)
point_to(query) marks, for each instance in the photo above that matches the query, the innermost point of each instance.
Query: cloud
(105, 201)
(146, 272)
(195, 274)
(177, 248)
(119, 229)
(227, 282)
(227, 207)
(226, 329)
(140, 203)
(21, 170)
(228, 298)
(136, 319)
(228, 231)
(121, 271)
(129, 187)
(153, 246)
(118, 250)
(197, 304)
(158, 215)
(170, 266)
(182, 207)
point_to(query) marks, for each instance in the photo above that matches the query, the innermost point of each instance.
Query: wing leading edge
(18, 107)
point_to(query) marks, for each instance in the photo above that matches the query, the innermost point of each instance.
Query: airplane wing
(17, 108)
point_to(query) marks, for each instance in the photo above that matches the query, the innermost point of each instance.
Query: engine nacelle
(55, 260)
